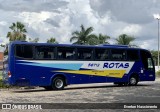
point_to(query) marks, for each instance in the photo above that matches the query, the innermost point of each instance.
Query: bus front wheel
(133, 81)
(58, 83)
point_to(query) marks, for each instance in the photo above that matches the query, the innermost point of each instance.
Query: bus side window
(132, 55)
(84, 53)
(66, 53)
(118, 54)
(101, 54)
(43, 52)
(24, 51)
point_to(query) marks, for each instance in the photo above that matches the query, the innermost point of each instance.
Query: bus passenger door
(148, 69)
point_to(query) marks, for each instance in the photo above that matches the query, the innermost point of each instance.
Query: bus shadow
(77, 88)
(104, 86)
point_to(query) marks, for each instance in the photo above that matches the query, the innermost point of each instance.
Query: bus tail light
(9, 74)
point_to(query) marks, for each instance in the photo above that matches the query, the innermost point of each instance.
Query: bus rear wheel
(133, 81)
(58, 83)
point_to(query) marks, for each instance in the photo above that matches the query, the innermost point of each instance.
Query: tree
(34, 40)
(52, 40)
(102, 39)
(83, 36)
(18, 32)
(2, 45)
(155, 56)
(125, 39)
(99, 39)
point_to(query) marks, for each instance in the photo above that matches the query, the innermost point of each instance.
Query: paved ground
(148, 92)
(145, 92)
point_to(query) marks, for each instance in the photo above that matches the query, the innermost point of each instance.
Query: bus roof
(76, 45)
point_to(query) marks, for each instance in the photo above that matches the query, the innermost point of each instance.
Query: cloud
(52, 22)
(131, 29)
(156, 16)
(59, 18)
(148, 43)
(131, 17)
(46, 24)
(32, 5)
(130, 11)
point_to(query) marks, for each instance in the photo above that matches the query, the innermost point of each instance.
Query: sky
(59, 18)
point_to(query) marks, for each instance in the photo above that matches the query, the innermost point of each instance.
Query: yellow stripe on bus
(108, 73)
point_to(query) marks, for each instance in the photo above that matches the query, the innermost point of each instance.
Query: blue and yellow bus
(54, 66)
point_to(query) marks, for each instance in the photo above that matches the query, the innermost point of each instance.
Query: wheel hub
(133, 81)
(58, 83)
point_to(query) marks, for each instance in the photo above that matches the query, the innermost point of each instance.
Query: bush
(2, 85)
(158, 73)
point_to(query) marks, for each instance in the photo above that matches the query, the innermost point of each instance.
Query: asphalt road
(144, 92)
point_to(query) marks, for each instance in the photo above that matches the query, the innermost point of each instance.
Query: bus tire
(58, 83)
(133, 80)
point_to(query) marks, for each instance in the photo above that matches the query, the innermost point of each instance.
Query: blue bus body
(41, 72)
